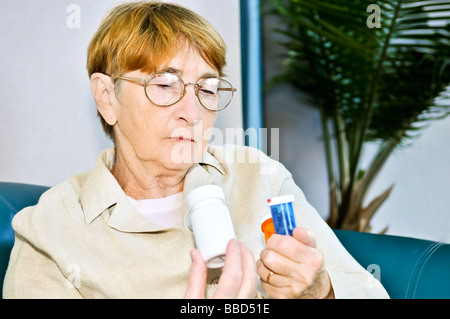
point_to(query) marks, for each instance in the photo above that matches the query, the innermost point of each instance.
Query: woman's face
(173, 137)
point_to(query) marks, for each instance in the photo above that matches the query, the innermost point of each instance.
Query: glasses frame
(144, 83)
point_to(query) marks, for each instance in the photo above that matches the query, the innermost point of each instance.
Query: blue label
(283, 218)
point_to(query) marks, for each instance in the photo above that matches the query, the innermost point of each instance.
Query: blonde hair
(144, 35)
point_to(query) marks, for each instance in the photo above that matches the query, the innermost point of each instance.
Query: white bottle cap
(204, 192)
(280, 200)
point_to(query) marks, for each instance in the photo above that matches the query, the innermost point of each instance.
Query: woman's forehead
(187, 61)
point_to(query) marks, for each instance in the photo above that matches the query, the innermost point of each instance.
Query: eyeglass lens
(166, 89)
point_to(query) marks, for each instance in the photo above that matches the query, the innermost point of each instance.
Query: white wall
(419, 205)
(48, 124)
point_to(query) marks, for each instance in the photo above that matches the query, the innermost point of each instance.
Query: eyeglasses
(166, 89)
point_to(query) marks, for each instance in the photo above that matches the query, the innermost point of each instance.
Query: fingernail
(234, 242)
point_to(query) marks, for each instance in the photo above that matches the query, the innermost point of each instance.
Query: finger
(265, 274)
(281, 285)
(197, 277)
(286, 246)
(277, 270)
(230, 280)
(249, 276)
(304, 236)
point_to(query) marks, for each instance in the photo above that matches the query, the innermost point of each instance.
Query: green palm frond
(370, 84)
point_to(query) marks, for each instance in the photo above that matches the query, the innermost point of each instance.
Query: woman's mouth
(181, 139)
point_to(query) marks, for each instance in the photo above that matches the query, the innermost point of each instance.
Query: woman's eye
(206, 91)
(164, 86)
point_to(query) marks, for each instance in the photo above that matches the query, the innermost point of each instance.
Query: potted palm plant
(378, 72)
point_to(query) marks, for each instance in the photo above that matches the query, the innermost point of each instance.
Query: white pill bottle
(211, 223)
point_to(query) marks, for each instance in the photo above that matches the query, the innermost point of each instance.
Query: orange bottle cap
(268, 228)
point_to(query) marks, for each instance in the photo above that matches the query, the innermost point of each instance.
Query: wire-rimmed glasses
(166, 89)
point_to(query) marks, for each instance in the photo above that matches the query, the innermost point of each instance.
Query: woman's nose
(189, 107)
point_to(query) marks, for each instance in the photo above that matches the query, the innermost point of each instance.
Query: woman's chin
(184, 155)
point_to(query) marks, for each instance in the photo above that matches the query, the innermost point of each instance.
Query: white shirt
(165, 212)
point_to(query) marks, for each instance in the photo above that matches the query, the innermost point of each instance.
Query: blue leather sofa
(408, 268)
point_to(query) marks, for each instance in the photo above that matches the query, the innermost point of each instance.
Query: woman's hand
(238, 279)
(293, 267)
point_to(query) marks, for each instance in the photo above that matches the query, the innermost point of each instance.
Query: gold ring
(268, 276)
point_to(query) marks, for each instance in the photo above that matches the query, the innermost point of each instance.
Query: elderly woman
(119, 231)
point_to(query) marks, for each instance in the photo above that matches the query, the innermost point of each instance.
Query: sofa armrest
(13, 198)
(408, 268)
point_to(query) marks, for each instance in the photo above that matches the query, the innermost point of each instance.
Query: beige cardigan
(84, 239)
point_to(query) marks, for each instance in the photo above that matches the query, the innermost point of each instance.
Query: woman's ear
(102, 89)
